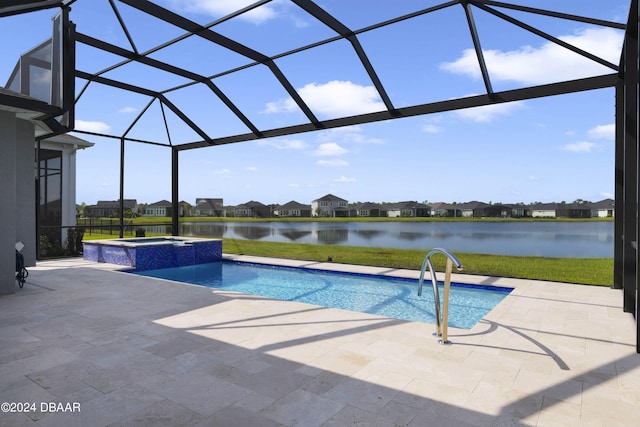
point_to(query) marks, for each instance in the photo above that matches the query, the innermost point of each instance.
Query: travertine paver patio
(131, 350)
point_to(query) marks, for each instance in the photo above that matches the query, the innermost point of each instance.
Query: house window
(50, 195)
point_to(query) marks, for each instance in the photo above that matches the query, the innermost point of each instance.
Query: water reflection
(411, 235)
(216, 230)
(251, 232)
(553, 239)
(294, 235)
(368, 234)
(332, 236)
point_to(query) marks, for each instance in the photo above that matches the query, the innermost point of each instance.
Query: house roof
(559, 206)
(294, 205)
(255, 204)
(440, 205)
(604, 204)
(204, 203)
(368, 205)
(67, 138)
(408, 205)
(251, 205)
(25, 106)
(474, 204)
(115, 204)
(161, 203)
(330, 198)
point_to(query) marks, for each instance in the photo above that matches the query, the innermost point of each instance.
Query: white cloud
(128, 110)
(335, 98)
(347, 134)
(341, 98)
(218, 8)
(344, 179)
(281, 106)
(251, 168)
(224, 171)
(431, 128)
(603, 132)
(532, 177)
(580, 147)
(547, 63)
(330, 149)
(285, 144)
(333, 163)
(487, 113)
(92, 126)
(608, 195)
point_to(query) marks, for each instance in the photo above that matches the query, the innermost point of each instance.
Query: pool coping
(134, 242)
(471, 279)
(506, 282)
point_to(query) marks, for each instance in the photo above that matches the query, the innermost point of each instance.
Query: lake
(586, 239)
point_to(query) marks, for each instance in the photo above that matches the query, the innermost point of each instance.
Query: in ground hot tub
(151, 253)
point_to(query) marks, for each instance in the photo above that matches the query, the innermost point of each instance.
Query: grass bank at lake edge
(590, 271)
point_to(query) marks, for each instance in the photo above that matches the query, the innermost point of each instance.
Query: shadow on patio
(139, 351)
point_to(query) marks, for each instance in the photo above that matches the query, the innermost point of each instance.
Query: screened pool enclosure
(157, 56)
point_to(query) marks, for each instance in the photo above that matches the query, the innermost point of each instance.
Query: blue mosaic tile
(153, 257)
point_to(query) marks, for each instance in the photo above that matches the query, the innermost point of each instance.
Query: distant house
(520, 211)
(493, 211)
(544, 210)
(209, 207)
(111, 208)
(161, 208)
(185, 208)
(468, 209)
(440, 209)
(408, 209)
(369, 209)
(573, 210)
(603, 209)
(252, 209)
(293, 209)
(564, 210)
(330, 206)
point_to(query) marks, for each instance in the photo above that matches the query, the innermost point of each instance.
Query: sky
(544, 150)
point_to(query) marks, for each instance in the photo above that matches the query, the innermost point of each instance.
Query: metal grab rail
(442, 321)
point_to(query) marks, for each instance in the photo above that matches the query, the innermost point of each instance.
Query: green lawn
(592, 271)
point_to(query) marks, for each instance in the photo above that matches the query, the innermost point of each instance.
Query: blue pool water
(388, 297)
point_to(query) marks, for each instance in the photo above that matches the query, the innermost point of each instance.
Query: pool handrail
(441, 320)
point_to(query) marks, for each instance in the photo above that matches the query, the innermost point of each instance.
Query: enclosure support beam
(121, 201)
(633, 29)
(627, 118)
(175, 202)
(630, 213)
(618, 220)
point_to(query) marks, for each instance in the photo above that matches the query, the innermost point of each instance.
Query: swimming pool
(383, 296)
